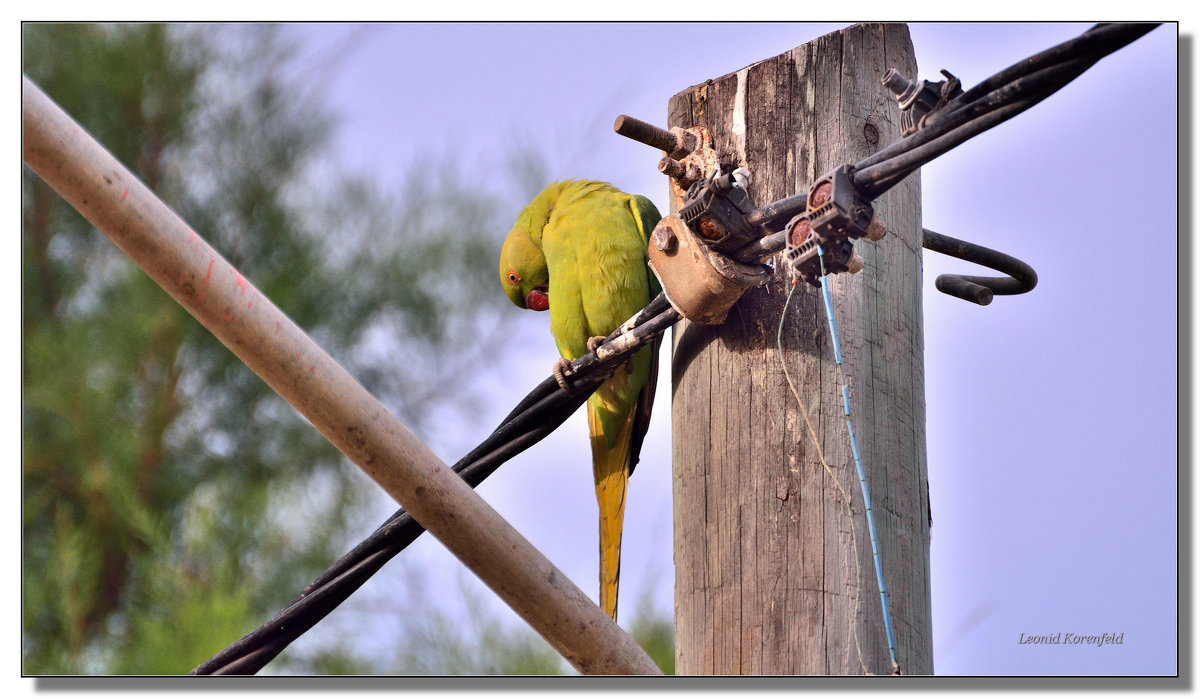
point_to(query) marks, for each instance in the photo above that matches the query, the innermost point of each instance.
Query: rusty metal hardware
(919, 99)
(684, 174)
(689, 155)
(676, 142)
(837, 215)
(700, 283)
(1021, 277)
(716, 209)
(690, 252)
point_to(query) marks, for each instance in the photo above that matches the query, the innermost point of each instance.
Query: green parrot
(579, 251)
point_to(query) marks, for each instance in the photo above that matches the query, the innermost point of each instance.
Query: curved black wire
(1021, 277)
(991, 102)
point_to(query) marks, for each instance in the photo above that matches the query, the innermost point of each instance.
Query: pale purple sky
(1051, 417)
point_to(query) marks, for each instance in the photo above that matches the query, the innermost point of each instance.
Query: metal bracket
(700, 283)
(836, 216)
(689, 252)
(688, 155)
(1021, 277)
(919, 99)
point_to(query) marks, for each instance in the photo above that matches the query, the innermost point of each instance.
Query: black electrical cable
(873, 181)
(1040, 75)
(537, 415)
(991, 102)
(1095, 43)
(1020, 278)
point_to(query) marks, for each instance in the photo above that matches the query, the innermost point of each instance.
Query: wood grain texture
(765, 576)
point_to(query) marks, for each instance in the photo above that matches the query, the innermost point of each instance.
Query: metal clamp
(716, 208)
(700, 283)
(690, 253)
(919, 99)
(837, 214)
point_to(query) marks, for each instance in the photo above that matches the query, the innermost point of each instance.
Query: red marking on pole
(124, 194)
(226, 316)
(276, 327)
(312, 368)
(207, 279)
(241, 281)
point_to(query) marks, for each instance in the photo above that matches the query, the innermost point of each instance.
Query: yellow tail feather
(610, 467)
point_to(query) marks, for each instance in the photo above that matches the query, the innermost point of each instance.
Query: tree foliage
(171, 501)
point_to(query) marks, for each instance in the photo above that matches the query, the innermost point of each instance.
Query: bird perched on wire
(579, 251)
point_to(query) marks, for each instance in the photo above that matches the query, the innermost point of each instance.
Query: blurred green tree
(171, 501)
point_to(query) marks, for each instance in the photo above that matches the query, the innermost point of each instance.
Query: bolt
(900, 86)
(800, 232)
(664, 238)
(686, 141)
(820, 195)
(671, 167)
(871, 133)
(684, 173)
(675, 142)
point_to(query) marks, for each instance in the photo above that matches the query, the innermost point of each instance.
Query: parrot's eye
(514, 278)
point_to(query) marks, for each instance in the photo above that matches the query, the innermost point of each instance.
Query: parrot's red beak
(538, 300)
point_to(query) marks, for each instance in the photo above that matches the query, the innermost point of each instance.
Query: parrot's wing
(646, 215)
(641, 413)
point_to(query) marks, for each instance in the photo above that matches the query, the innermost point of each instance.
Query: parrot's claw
(594, 343)
(561, 368)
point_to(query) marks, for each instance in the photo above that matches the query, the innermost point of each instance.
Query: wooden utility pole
(765, 574)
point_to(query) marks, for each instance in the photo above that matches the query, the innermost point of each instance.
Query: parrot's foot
(561, 368)
(594, 343)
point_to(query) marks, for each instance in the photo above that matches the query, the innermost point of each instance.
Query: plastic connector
(715, 209)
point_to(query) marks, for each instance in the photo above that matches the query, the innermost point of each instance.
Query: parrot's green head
(523, 271)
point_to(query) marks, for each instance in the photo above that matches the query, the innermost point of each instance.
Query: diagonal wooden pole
(62, 153)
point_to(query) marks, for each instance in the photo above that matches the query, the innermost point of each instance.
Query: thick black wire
(1097, 42)
(1026, 83)
(1020, 277)
(991, 102)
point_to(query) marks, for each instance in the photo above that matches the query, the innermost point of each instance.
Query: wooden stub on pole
(765, 574)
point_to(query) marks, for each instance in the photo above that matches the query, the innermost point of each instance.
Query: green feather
(584, 243)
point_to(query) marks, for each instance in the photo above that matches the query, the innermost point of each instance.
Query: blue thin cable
(862, 477)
